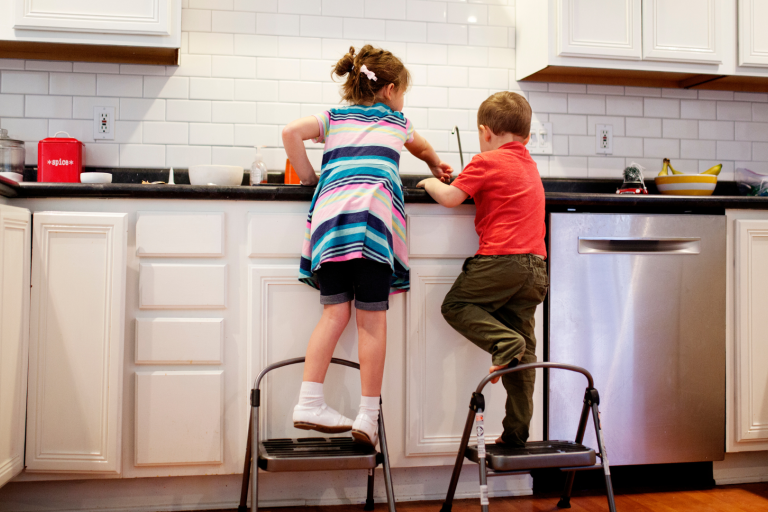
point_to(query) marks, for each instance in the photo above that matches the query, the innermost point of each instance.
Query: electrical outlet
(604, 136)
(104, 123)
(541, 139)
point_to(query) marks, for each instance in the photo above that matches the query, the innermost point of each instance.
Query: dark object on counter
(633, 181)
(60, 160)
(12, 154)
(502, 459)
(309, 453)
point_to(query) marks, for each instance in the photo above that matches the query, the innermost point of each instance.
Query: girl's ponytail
(381, 69)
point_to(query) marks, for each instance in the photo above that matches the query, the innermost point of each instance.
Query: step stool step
(315, 454)
(535, 455)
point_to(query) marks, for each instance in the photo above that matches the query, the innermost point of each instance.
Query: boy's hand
(423, 183)
(442, 171)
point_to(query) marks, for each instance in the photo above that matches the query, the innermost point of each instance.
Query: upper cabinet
(683, 30)
(594, 28)
(690, 44)
(139, 31)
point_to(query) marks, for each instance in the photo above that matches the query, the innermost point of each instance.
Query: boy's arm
(294, 135)
(446, 195)
(422, 149)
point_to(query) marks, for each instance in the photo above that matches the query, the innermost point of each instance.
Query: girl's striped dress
(357, 210)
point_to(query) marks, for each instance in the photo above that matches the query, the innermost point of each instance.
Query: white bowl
(15, 176)
(95, 177)
(222, 175)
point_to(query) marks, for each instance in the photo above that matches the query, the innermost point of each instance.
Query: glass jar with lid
(11, 155)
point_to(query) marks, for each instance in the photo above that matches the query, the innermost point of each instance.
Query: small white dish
(95, 177)
(15, 176)
(221, 175)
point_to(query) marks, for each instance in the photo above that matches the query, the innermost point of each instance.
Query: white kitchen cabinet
(15, 247)
(753, 38)
(594, 28)
(684, 30)
(747, 333)
(76, 342)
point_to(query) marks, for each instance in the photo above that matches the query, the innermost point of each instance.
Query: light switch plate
(104, 123)
(541, 139)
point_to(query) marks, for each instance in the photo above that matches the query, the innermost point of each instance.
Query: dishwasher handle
(636, 245)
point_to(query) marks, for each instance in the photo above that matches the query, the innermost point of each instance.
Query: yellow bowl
(687, 184)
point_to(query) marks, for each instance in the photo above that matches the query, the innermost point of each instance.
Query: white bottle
(258, 169)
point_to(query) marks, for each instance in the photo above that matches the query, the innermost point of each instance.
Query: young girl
(354, 245)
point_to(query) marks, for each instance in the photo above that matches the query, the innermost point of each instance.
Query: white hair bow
(370, 74)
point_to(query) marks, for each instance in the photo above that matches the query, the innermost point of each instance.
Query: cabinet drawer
(175, 286)
(442, 236)
(180, 234)
(179, 340)
(276, 235)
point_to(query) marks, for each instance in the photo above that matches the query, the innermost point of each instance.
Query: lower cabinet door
(76, 342)
(15, 246)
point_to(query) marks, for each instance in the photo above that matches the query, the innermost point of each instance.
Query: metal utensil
(458, 139)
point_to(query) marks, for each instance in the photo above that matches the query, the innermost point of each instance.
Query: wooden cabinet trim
(89, 53)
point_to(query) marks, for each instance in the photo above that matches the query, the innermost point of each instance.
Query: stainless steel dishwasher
(639, 300)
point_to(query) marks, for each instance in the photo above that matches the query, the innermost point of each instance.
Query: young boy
(493, 300)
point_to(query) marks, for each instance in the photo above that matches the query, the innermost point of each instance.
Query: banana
(673, 170)
(714, 170)
(664, 168)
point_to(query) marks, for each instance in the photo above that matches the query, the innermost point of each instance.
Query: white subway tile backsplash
(418, 74)
(211, 88)
(102, 155)
(642, 91)
(210, 43)
(165, 132)
(255, 46)
(447, 34)
(25, 129)
(225, 66)
(300, 6)
(332, 93)
(680, 129)
(191, 65)
(586, 104)
(752, 131)
(700, 109)
(345, 8)
(80, 130)
(542, 164)
(438, 139)
(256, 90)
(398, 48)
(447, 76)
(733, 150)
(501, 57)
(257, 135)
(734, 111)
(616, 122)
(560, 144)
(419, 117)
(277, 113)
(278, 24)
(82, 106)
(687, 94)
(447, 119)
(196, 20)
(655, 107)
(95, 67)
(426, 53)
(760, 112)
(532, 86)
(230, 22)
(187, 156)
(11, 64)
(233, 112)
(759, 97)
(623, 106)
(405, 31)
(224, 5)
(605, 167)
(278, 69)
(211, 134)
(299, 47)
(317, 70)
(615, 90)
(166, 87)
(471, 14)
(568, 167)
(581, 145)
(563, 124)
(469, 56)
(466, 98)
(142, 69)
(321, 26)
(427, 97)
(503, 15)
(548, 102)
(11, 105)
(760, 151)
(389, 10)
(628, 146)
(697, 149)
(301, 92)
(716, 95)
(488, 36)
(48, 65)
(23, 82)
(243, 156)
(572, 88)
(142, 155)
(716, 130)
(73, 84)
(128, 132)
(419, 10)
(120, 85)
(489, 78)
(140, 109)
(661, 148)
(726, 173)
(188, 110)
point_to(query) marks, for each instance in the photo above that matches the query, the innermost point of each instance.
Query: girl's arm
(422, 150)
(294, 135)
(446, 195)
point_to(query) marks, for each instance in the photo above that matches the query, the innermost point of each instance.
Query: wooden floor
(732, 498)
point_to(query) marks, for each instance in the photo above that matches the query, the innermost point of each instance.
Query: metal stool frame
(476, 409)
(251, 470)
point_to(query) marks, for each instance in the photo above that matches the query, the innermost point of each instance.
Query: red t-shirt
(509, 198)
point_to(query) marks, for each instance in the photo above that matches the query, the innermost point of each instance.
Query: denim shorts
(365, 281)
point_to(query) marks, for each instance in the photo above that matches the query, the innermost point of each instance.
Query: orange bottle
(291, 178)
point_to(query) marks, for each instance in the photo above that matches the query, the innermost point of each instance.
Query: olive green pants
(492, 303)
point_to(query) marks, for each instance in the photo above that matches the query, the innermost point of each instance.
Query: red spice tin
(60, 159)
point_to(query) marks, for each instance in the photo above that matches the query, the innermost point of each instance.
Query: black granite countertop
(562, 194)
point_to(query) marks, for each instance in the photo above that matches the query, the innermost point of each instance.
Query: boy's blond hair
(505, 112)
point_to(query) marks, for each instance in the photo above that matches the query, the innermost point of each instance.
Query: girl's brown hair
(358, 88)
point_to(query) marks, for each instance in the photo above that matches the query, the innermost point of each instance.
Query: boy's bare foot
(494, 369)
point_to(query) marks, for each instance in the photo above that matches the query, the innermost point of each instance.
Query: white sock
(369, 405)
(311, 394)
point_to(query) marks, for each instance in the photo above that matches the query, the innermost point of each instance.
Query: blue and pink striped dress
(358, 210)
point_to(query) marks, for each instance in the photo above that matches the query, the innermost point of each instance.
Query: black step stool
(309, 453)
(502, 460)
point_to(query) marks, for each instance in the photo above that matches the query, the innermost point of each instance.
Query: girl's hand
(311, 182)
(442, 171)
